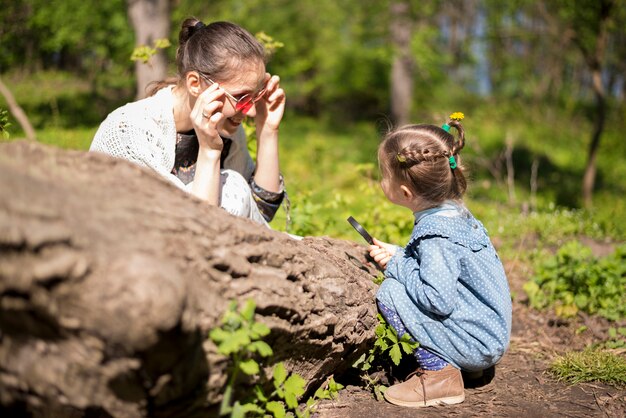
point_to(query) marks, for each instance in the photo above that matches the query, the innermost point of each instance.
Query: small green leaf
(280, 374)
(291, 400)
(276, 408)
(249, 367)
(395, 354)
(260, 329)
(322, 393)
(262, 348)
(380, 331)
(251, 407)
(382, 343)
(235, 342)
(333, 386)
(391, 334)
(258, 393)
(406, 347)
(162, 43)
(248, 310)
(294, 388)
(359, 361)
(218, 335)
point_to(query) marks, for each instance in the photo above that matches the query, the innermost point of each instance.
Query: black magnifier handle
(361, 230)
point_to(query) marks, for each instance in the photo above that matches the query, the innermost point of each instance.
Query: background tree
(588, 24)
(402, 67)
(151, 21)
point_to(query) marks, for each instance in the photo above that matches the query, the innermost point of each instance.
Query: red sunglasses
(245, 102)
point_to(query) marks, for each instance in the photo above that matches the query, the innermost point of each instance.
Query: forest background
(541, 83)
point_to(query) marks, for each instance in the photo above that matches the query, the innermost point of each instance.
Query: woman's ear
(193, 82)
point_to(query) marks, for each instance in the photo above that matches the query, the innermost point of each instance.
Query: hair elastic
(401, 158)
(445, 127)
(199, 25)
(452, 162)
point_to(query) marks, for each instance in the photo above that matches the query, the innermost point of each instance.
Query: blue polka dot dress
(449, 289)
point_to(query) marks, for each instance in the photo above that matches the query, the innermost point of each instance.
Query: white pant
(236, 197)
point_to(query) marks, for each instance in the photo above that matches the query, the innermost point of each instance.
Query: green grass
(590, 366)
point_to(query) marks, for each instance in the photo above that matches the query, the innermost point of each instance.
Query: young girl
(189, 130)
(447, 288)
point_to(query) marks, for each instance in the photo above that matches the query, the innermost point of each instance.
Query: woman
(189, 129)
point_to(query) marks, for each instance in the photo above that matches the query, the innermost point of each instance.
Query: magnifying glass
(361, 230)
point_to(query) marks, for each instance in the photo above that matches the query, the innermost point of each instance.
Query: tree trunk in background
(594, 59)
(402, 65)
(17, 112)
(151, 21)
(111, 278)
(589, 177)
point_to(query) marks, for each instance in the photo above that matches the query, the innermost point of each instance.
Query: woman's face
(249, 80)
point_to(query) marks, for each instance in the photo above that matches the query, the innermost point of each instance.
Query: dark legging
(426, 359)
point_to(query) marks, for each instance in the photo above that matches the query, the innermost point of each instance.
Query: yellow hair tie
(401, 158)
(457, 116)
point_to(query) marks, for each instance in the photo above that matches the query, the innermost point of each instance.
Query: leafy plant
(574, 280)
(590, 366)
(143, 53)
(4, 123)
(617, 338)
(270, 44)
(388, 346)
(239, 338)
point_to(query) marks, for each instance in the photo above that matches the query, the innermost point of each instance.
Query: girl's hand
(270, 109)
(205, 116)
(382, 252)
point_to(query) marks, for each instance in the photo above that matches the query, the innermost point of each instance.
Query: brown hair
(216, 49)
(418, 156)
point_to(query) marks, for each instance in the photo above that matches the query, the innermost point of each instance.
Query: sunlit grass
(590, 366)
(77, 138)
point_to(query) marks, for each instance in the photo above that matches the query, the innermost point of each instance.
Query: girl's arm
(269, 113)
(431, 283)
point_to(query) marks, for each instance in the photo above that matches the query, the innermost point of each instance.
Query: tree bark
(594, 61)
(111, 278)
(151, 21)
(589, 178)
(402, 65)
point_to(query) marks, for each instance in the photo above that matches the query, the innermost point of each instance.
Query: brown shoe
(427, 388)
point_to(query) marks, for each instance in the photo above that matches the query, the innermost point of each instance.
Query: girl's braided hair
(418, 156)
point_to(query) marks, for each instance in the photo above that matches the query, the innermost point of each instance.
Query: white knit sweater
(144, 132)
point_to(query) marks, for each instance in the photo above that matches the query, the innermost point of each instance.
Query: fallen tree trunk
(111, 278)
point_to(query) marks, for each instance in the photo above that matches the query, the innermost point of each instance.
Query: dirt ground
(521, 387)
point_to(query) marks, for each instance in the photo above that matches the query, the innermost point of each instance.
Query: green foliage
(143, 53)
(4, 123)
(239, 337)
(388, 346)
(39, 33)
(590, 366)
(270, 44)
(617, 338)
(574, 280)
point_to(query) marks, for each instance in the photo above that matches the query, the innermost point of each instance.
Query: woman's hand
(382, 252)
(205, 116)
(270, 109)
